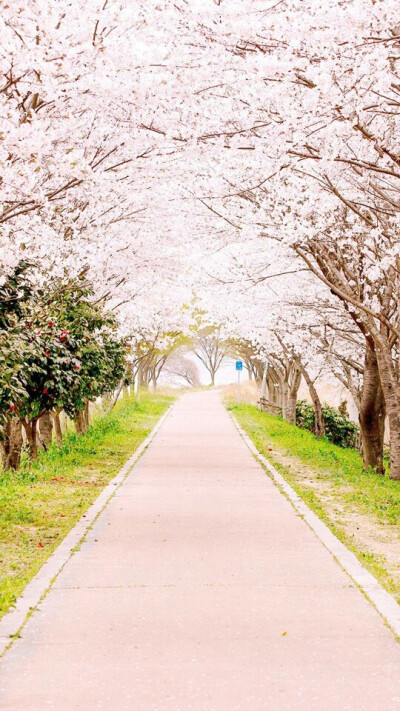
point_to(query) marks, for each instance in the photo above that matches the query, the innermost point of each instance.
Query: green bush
(305, 416)
(338, 428)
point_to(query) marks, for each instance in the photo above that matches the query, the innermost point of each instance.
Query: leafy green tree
(58, 350)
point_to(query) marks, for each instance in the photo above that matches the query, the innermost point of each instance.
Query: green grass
(338, 470)
(41, 502)
(343, 467)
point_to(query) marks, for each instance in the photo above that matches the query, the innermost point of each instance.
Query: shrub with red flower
(55, 352)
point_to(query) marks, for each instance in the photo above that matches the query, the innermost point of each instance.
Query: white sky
(226, 373)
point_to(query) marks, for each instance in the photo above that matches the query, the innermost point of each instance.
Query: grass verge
(360, 507)
(41, 502)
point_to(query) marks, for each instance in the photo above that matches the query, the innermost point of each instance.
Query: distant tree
(211, 348)
(183, 368)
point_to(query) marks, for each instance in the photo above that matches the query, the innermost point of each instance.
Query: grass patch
(41, 502)
(337, 479)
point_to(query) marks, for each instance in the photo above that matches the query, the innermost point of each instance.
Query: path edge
(383, 601)
(13, 621)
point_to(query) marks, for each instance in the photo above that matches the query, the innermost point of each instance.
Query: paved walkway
(200, 589)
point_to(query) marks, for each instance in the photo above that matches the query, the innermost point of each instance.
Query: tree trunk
(30, 427)
(372, 414)
(57, 427)
(264, 381)
(391, 392)
(86, 416)
(11, 443)
(291, 402)
(319, 425)
(46, 430)
(143, 377)
(80, 423)
(284, 397)
(290, 410)
(273, 394)
(116, 394)
(319, 422)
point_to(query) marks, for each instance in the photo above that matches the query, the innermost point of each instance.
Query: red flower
(77, 366)
(40, 545)
(50, 323)
(12, 407)
(45, 391)
(47, 353)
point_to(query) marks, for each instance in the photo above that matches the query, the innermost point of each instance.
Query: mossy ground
(41, 502)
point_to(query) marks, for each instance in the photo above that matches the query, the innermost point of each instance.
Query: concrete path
(200, 589)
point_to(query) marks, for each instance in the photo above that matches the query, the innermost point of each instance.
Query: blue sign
(239, 365)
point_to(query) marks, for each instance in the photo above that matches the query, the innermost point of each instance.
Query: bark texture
(372, 414)
(319, 424)
(46, 430)
(11, 443)
(86, 415)
(291, 400)
(31, 431)
(57, 427)
(391, 392)
(80, 423)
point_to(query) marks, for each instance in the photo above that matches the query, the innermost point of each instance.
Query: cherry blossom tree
(169, 149)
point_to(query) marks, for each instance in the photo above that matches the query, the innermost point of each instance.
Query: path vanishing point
(200, 588)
